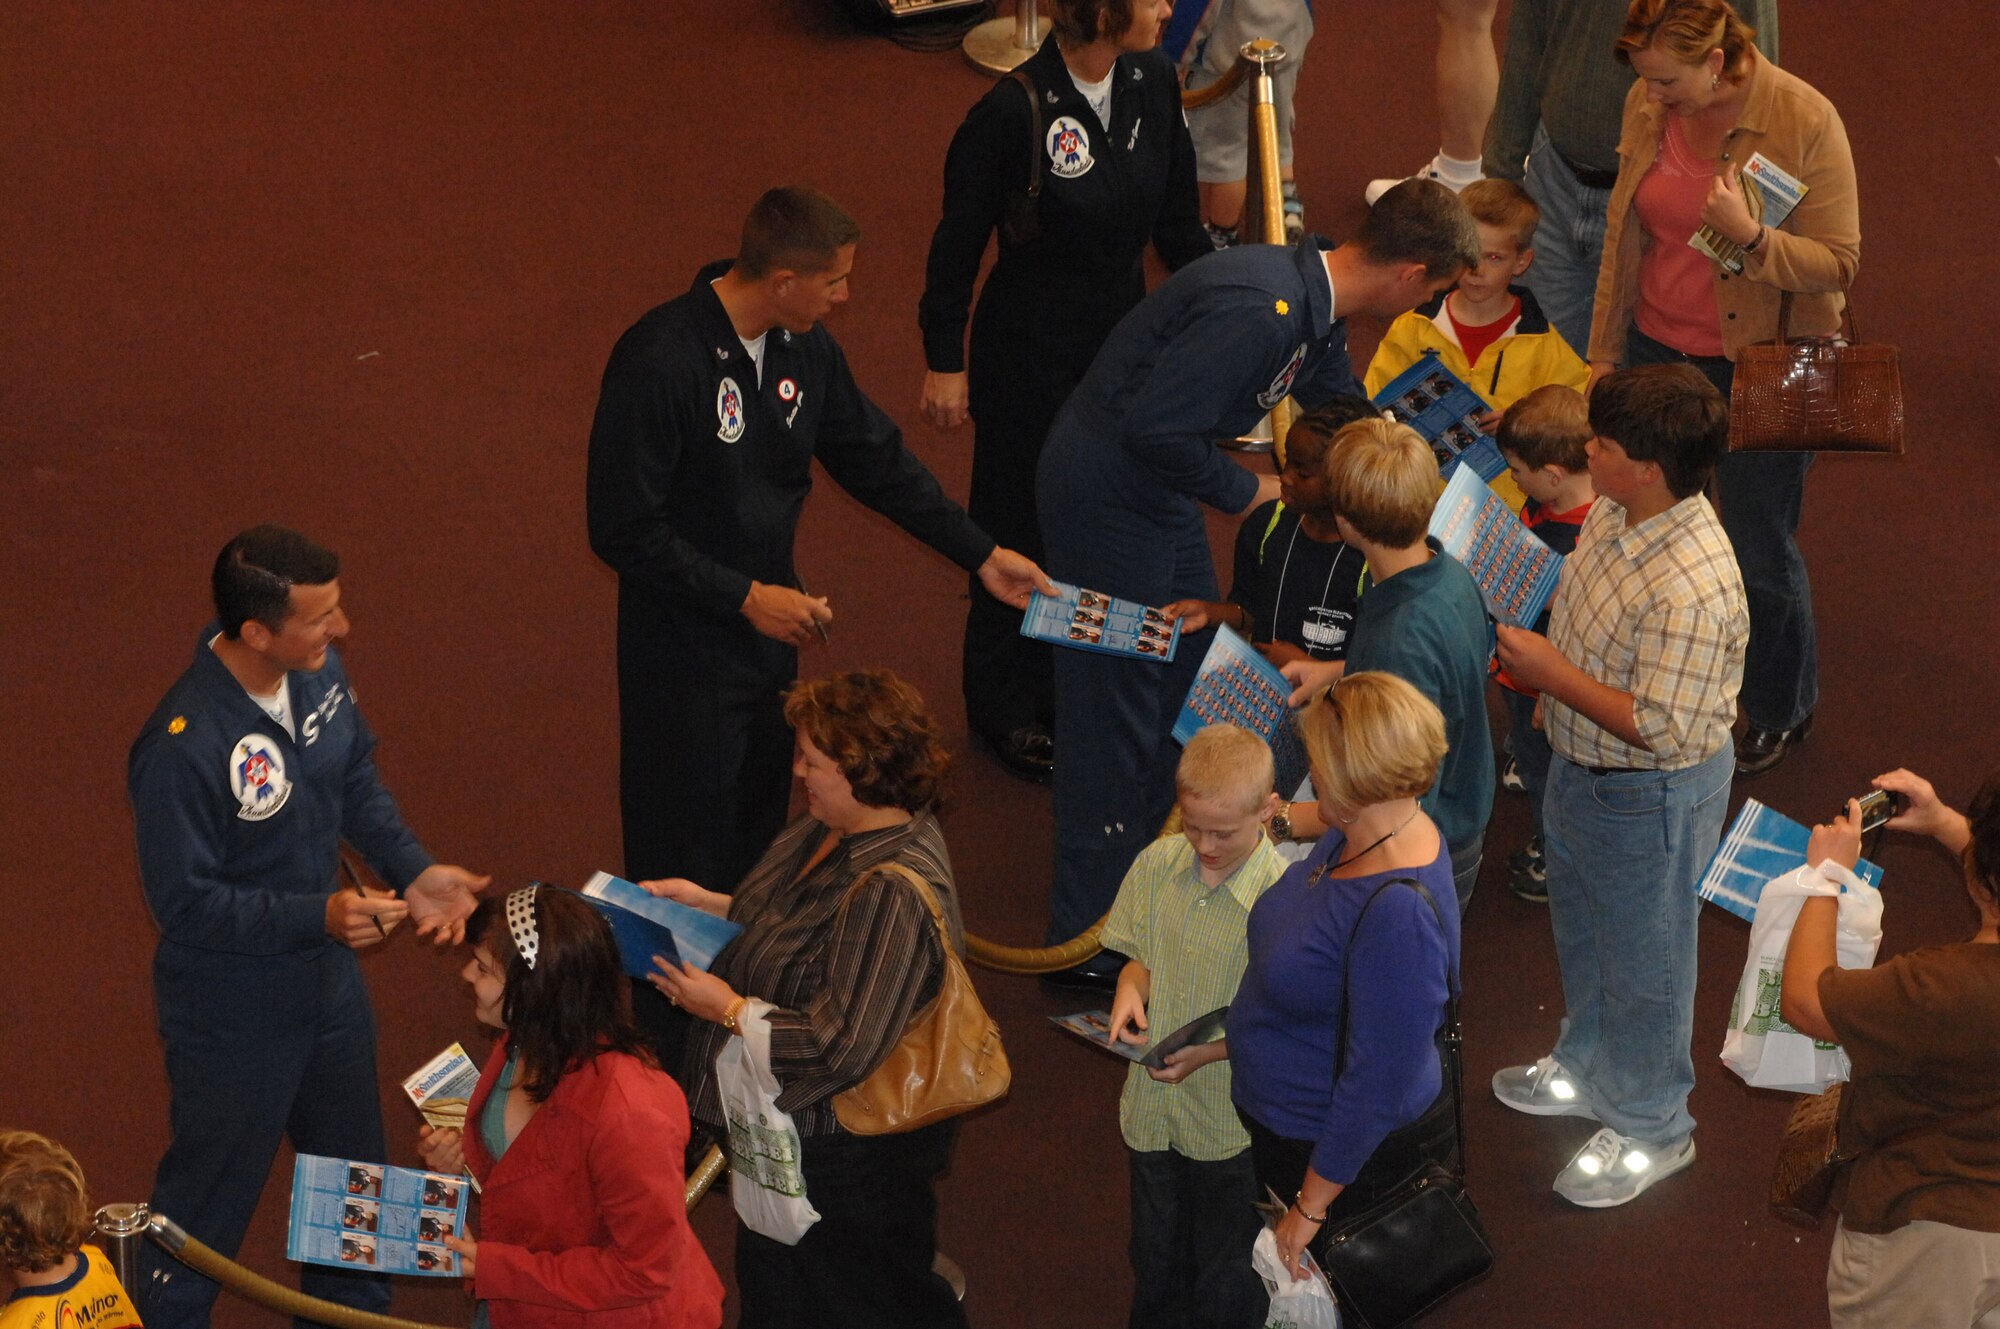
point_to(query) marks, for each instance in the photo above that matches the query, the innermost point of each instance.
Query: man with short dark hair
(713, 408)
(1132, 459)
(1638, 676)
(244, 781)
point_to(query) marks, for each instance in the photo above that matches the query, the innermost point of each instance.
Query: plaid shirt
(845, 966)
(1657, 611)
(1190, 937)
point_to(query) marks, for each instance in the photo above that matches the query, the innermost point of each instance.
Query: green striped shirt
(1191, 938)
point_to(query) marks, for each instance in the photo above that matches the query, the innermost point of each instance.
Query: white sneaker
(1428, 171)
(1541, 1090)
(1612, 1169)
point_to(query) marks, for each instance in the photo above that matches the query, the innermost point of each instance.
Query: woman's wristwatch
(734, 1009)
(1757, 243)
(1281, 824)
(1299, 1203)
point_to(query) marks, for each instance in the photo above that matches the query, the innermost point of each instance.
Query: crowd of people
(1557, 281)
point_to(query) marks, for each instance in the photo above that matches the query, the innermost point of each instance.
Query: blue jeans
(1625, 850)
(1569, 243)
(1761, 495)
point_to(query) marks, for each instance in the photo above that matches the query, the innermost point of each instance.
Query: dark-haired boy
(244, 782)
(1639, 676)
(712, 410)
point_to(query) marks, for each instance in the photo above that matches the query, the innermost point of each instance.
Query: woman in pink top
(1705, 105)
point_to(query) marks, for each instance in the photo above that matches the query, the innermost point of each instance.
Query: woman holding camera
(1919, 1236)
(1337, 1128)
(844, 953)
(575, 1136)
(1705, 103)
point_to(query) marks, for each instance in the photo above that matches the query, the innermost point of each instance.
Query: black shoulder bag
(1422, 1240)
(1021, 222)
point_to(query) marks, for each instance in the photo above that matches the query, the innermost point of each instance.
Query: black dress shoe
(1760, 749)
(1027, 751)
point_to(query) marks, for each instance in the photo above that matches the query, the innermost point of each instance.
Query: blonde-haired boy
(1421, 619)
(1180, 915)
(1487, 330)
(57, 1282)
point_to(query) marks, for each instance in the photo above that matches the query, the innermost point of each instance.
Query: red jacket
(583, 1224)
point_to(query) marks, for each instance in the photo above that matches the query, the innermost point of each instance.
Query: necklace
(1324, 868)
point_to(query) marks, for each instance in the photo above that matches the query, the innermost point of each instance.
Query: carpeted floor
(355, 267)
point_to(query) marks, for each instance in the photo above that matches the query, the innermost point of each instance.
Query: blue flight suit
(266, 1021)
(1122, 480)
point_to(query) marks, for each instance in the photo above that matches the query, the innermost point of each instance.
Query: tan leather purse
(1819, 394)
(949, 1059)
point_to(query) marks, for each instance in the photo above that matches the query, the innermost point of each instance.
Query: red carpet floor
(356, 267)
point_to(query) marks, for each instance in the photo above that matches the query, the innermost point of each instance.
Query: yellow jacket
(1532, 353)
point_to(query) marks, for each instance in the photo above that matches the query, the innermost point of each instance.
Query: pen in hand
(818, 626)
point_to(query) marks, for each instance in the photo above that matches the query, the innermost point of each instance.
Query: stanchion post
(1266, 203)
(999, 45)
(121, 1228)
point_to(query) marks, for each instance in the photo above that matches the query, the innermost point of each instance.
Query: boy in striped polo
(1180, 916)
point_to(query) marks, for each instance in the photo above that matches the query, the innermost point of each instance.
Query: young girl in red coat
(575, 1136)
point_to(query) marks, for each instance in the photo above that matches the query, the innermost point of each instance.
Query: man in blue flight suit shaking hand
(1131, 460)
(244, 781)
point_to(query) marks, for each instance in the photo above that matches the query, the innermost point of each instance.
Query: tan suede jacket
(1814, 254)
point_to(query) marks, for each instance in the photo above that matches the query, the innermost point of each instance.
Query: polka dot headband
(521, 923)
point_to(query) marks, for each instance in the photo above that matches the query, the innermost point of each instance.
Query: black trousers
(1281, 1163)
(1193, 1223)
(1008, 679)
(867, 1263)
(704, 754)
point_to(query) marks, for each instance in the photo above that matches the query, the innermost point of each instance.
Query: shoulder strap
(916, 882)
(1449, 1038)
(1027, 82)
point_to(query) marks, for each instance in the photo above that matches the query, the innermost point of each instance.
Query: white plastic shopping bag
(766, 1182)
(1296, 1303)
(1760, 1046)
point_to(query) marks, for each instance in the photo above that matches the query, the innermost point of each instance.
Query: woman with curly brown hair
(836, 954)
(1919, 1236)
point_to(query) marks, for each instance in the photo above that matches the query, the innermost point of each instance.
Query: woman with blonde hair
(1705, 104)
(1371, 913)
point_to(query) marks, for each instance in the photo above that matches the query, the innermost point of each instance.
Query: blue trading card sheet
(1238, 686)
(1760, 845)
(1516, 572)
(373, 1217)
(1441, 406)
(646, 925)
(1089, 620)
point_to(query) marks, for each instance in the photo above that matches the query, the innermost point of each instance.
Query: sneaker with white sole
(1428, 171)
(1541, 1090)
(1613, 1169)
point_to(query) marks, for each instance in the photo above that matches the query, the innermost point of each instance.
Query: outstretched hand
(1013, 578)
(441, 898)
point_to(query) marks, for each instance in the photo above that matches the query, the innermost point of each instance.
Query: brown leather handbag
(949, 1060)
(1817, 394)
(1809, 1159)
